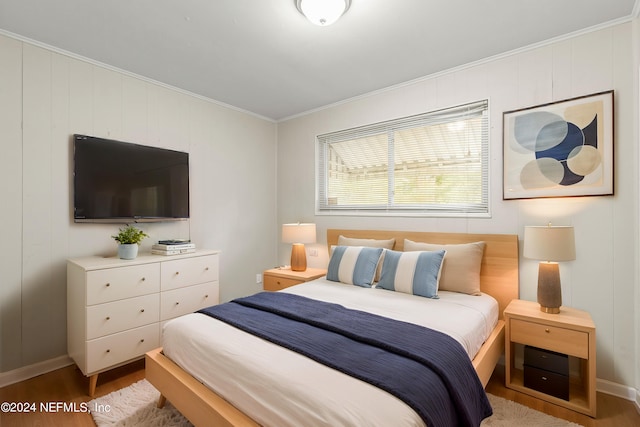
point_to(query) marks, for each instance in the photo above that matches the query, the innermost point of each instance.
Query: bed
(498, 277)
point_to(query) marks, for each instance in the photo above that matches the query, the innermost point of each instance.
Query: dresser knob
(144, 278)
(177, 273)
(547, 330)
(108, 284)
(108, 351)
(108, 318)
(142, 310)
(206, 269)
(142, 340)
(177, 303)
(206, 296)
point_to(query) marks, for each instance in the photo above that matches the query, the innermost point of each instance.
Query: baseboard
(609, 387)
(26, 372)
(618, 390)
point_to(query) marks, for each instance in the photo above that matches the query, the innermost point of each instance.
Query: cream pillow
(370, 243)
(461, 266)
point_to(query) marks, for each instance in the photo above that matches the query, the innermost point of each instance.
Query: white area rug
(507, 413)
(136, 406)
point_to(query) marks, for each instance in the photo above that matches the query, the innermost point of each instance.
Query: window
(430, 164)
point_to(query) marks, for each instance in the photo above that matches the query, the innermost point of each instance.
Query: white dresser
(116, 308)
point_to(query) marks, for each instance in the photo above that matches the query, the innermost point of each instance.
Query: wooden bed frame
(498, 278)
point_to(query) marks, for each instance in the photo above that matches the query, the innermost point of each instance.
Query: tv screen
(121, 182)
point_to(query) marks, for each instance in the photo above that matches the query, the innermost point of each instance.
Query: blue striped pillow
(416, 273)
(353, 265)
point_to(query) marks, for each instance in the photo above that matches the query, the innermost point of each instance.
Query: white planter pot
(129, 251)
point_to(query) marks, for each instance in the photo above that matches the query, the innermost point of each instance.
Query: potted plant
(129, 238)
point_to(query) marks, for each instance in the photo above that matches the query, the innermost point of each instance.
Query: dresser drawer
(547, 360)
(114, 349)
(113, 284)
(561, 340)
(117, 316)
(187, 300)
(188, 271)
(273, 283)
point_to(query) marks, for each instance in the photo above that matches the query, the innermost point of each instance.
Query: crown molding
(128, 73)
(499, 56)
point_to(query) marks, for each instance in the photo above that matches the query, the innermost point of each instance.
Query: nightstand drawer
(561, 340)
(547, 382)
(547, 360)
(277, 283)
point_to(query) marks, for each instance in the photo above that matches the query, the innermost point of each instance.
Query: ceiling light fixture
(323, 12)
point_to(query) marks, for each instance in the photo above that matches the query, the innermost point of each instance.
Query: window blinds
(432, 163)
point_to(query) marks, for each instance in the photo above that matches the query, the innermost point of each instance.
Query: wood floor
(612, 411)
(68, 385)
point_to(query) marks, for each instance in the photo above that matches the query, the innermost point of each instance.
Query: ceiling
(264, 57)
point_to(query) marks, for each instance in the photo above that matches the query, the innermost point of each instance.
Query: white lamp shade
(323, 12)
(299, 233)
(549, 243)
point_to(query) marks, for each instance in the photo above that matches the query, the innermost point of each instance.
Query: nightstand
(280, 278)
(569, 333)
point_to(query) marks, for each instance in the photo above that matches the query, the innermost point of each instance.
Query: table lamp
(549, 244)
(298, 234)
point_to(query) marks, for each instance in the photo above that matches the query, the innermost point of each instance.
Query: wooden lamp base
(298, 257)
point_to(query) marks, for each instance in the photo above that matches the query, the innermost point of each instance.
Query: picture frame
(560, 149)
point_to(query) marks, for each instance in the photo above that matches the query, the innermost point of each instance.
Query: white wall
(45, 97)
(636, 136)
(602, 280)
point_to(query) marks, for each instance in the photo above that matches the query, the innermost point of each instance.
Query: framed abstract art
(560, 149)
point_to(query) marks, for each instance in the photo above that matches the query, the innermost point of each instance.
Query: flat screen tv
(120, 182)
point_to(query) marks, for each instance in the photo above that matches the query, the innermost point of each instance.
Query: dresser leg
(93, 380)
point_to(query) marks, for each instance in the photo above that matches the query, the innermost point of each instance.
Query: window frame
(476, 210)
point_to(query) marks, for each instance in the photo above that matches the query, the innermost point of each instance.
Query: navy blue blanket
(427, 369)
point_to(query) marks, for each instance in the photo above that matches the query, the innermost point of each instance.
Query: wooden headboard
(499, 271)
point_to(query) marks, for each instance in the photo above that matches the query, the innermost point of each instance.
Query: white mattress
(278, 387)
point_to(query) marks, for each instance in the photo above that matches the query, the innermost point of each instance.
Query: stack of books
(173, 247)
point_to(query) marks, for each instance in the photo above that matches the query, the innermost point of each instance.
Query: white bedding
(278, 387)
